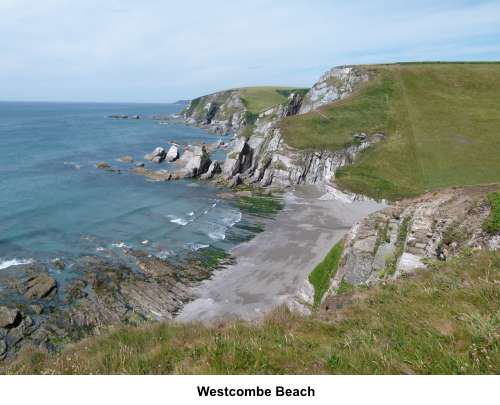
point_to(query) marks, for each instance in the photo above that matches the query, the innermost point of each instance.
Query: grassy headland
(441, 123)
(406, 326)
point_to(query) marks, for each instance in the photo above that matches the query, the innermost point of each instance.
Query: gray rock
(3, 348)
(173, 154)
(213, 169)
(9, 317)
(157, 156)
(40, 286)
(196, 161)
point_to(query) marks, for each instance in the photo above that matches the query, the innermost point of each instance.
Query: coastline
(272, 268)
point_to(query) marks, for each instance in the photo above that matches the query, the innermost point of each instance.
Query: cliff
(258, 153)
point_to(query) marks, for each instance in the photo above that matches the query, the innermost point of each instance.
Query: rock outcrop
(402, 238)
(157, 156)
(258, 153)
(172, 154)
(221, 113)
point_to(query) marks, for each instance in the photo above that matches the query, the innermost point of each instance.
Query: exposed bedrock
(258, 153)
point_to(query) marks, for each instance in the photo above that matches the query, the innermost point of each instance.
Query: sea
(55, 203)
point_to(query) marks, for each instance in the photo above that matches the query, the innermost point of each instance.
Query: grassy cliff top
(258, 99)
(442, 126)
(401, 327)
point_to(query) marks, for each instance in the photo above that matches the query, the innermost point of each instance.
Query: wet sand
(272, 267)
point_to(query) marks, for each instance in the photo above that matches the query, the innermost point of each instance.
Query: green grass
(258, 99)
(441, 122)
(322, 274)
(260, 205)
(401, 327)
(492, 223)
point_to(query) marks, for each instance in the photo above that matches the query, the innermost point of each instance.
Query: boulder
(9, 317)
(197, 161)
(59, 264)
(157, 156)
(126, 159)
(103, 165)
(173, 153)
(40, 286)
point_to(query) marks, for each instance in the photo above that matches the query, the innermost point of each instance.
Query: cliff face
(221, 113)
(258, 153)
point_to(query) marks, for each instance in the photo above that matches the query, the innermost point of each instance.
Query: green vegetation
(260, 205)
(401, 327)
(286, 92)
(441, 123)
(258, 99)
(322, 274)
(392, 260)
(492, 223)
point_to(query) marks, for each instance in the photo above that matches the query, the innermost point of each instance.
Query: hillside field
(441, 121)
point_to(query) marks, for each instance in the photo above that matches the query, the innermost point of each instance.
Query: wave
(197, 246)
(73, 164)
(217, 235)
(14, 262)
(120, 245)
(178, 221)
(232, 220)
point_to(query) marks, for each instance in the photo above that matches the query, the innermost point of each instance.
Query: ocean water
(54, 203)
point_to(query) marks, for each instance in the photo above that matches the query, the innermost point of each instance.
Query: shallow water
(55, 203)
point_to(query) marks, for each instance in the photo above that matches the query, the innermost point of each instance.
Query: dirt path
(272, 267)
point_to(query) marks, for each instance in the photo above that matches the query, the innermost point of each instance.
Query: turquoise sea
(54, 203)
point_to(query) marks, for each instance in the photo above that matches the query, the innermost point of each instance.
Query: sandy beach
(272, 268)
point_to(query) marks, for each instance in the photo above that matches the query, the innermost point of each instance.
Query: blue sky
(160, 51)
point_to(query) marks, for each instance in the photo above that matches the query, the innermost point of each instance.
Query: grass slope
(442, 123)
(322, 274)
(258, 99)
(407, 326)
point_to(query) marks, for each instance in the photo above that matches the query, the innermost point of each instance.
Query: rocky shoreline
(44, 307)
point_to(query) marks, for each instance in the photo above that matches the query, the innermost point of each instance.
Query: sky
(162, 51)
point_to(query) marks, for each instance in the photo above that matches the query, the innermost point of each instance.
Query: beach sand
(271, 268)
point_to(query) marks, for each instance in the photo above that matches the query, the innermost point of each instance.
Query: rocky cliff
(221, 113)
(258, 153)
(410, 234)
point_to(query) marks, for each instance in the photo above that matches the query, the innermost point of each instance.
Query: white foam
(179, 221)
(198, 246)
(14, 262)
(217, 235)
(191, 213)
(100, 249)
(119, 245)
(232, 220)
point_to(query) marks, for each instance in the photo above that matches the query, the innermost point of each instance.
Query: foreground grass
(322, 274)
(441, 123)
(446, 320)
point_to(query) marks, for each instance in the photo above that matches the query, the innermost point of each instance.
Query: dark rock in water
(118, 116)
(139, 165)
(9, 317)
(103, 165)
(59, 264)
(40, 286)
(126, 159)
